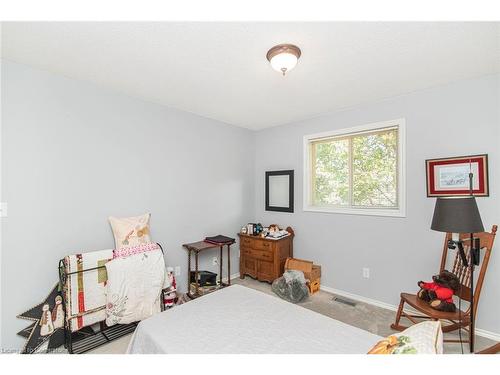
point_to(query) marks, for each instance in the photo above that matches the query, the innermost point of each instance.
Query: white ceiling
(219, 70)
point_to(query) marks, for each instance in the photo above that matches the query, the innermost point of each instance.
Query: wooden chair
(458, 319)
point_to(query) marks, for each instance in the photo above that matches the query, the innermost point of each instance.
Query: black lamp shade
(457, 215)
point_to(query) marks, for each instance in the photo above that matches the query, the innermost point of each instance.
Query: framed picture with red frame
(448, 177)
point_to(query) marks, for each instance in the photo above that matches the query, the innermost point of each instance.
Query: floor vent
(344, 301)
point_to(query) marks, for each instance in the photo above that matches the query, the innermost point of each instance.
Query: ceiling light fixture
(283, 57)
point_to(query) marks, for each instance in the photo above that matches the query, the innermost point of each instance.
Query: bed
(238, 319)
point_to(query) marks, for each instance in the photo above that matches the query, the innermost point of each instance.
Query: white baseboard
(359, 298)
(480, 332)
(488, 334)
(233, 276)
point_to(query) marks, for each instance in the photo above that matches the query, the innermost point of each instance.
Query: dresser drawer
(256, 243)
(262, 245)
(246, 242)
(258, 254)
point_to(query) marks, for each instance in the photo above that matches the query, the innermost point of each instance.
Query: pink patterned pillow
(128, 251)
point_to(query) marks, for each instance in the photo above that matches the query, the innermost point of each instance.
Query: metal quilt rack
(87, 338)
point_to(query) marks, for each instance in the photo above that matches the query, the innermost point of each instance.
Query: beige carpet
(368, 317)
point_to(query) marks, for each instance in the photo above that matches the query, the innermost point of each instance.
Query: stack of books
(220, 240)
(277, 235)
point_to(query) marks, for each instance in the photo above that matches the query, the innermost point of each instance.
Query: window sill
(358, 211)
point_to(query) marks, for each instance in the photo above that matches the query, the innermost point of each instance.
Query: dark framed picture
(279, 191)
(450, 176)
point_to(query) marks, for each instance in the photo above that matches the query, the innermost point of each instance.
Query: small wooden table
(196, 248)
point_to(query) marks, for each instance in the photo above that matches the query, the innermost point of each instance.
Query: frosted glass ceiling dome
(283, 57)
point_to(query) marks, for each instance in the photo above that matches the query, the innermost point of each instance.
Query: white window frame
(400, 211)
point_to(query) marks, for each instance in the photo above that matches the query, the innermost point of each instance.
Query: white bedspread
(242, 320)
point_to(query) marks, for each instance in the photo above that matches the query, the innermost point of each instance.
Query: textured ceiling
(219, 70)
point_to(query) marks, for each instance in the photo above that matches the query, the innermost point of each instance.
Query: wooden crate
(312, 272)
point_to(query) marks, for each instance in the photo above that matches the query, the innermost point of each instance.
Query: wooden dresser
(262, 258)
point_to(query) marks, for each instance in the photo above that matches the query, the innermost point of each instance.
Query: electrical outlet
(3, 209)
(177, 270)
(215, 261)
(366, 273)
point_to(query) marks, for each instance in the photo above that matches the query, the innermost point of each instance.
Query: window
(356, 171)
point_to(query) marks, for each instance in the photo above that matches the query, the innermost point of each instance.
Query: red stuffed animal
(439, 293)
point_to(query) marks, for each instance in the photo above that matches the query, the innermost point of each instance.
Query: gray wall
(457, 119)
(73, 154)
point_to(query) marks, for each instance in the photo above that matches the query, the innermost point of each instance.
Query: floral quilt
(134, 286)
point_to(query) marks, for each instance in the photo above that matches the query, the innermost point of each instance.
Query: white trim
(392, 212)
(359, 298)
(488, 334)
(479, 332)
(232, 277)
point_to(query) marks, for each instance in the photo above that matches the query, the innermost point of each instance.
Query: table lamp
(461, 215)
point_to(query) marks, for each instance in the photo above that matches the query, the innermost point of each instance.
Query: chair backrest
(464, 273)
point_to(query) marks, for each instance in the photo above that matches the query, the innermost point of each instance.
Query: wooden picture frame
(448, 177)
(279, 191)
